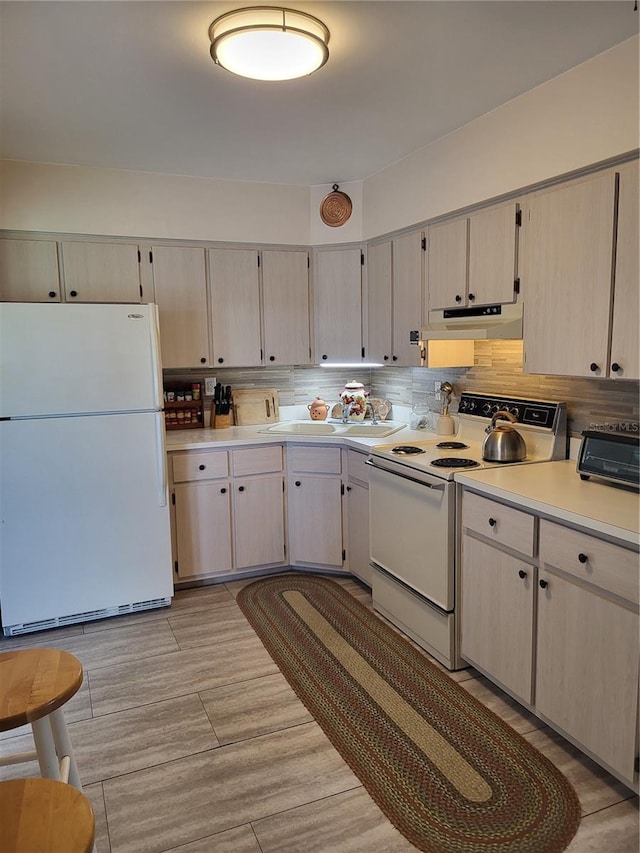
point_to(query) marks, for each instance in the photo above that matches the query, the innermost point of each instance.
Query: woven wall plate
(335, 208)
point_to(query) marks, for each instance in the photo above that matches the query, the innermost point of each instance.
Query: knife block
(220, 421)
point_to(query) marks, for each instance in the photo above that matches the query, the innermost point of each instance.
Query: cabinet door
(258, 508)
(447, 265)
(102, 272)
(497, 615)
(285, 292)
(203, 529)
(587, 670)
(625, 345)
(358, 532)
(180, 286)
(379, 302)
(492, 255)
(566, 278)
(235, 307)
(29, 271)
(407, 297)
(315, 521)
(337, 289)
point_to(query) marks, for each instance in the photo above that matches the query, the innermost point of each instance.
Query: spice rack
(183, 406)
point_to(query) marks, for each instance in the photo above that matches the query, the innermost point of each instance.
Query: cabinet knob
(472, 296)
(458, 297)
(593, 367)
(223, 491)
(522, 574)
(220, 360)
(203, 360)
(73, 293)
(492, 522)
(241, 488)
(583, 558)
(201, 467)
(394, 358)
(615, 367)
(325, 357)
(348, 488)
(298, 483)
(53, 294)
(272, 358)
(386, 358)
(543, 584)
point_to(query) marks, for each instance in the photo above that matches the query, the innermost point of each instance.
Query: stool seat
(34, 685)
(45, 816)
(35, 682)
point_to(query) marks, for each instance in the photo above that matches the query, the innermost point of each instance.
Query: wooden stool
(34, 685)
(45, 816)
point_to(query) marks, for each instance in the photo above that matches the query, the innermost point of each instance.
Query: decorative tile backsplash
(497, 369)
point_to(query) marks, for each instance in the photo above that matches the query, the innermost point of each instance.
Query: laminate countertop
(555, 490)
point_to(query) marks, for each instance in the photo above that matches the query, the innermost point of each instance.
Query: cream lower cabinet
(228, 511)
(587, 643)
(315, 508)
(556, 626)
(357, 516)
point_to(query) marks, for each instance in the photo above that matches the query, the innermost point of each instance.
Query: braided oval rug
(449, 774)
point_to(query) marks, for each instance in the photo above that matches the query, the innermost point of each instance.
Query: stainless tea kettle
(503, 443)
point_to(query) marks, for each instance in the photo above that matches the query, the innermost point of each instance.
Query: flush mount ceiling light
(269, 43)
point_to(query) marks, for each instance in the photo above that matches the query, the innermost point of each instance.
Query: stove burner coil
(407, 450)
(454, 462)
(452, 445)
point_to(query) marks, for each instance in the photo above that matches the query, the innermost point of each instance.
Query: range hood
(474, 324)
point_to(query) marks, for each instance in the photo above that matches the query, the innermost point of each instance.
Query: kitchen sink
(361, 430)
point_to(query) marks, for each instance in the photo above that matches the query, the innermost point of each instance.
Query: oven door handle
(439, 487)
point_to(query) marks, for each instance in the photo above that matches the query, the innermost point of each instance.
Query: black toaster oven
(611, 454)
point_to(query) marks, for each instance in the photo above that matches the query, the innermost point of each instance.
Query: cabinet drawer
(257, 460)
(611, 567)
(200, 465)
(502, 524)
(358, 470)
(318, 460)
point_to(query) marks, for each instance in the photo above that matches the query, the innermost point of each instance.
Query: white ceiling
(130, 85)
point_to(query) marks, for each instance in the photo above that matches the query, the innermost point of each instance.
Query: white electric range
(412, 500)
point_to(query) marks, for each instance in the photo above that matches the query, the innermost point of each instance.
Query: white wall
(584, 116)
(76, 199)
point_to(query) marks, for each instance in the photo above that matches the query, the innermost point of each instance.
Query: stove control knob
(486, 409)
(464, 406)
(514, 410)
(495, 408)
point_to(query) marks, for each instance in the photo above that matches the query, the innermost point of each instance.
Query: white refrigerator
(84, 516)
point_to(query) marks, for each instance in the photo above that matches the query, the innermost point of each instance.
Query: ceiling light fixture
(269, 43)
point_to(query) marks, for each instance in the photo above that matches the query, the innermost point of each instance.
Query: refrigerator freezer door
(84, 517)
(60, 359)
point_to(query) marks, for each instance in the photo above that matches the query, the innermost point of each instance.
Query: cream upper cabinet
(447, 264)
(337, 304)
(29, 271)
(624, 362)
(234, 304)
(102, 272)
(493, 246)
(473, 260)
(567, 277)
(180, 286)
(408, 287)
(379, 301)
(286, 319)
(394, 299)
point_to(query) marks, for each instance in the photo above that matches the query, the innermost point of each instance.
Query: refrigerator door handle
(155, 356)
(161, 460)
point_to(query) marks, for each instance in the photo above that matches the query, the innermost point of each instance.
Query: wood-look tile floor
(188, 739)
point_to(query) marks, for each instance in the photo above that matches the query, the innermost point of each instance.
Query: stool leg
(45, 748)
(63, 745)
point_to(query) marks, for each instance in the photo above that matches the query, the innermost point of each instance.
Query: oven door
(411, 530)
